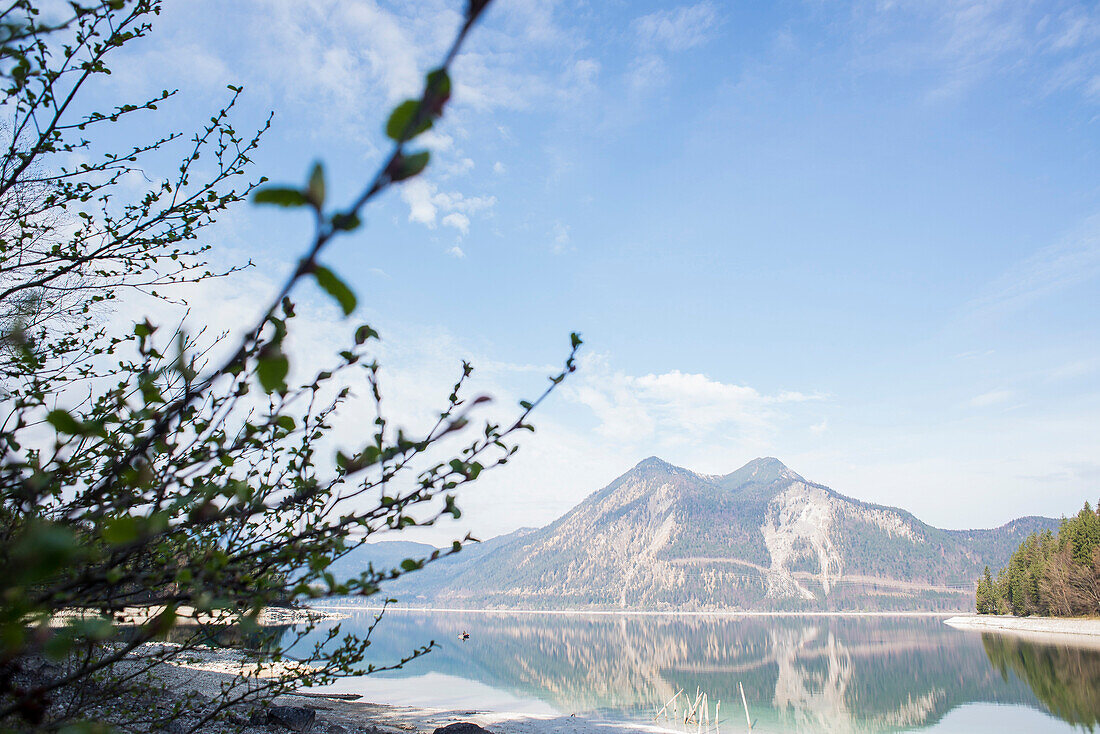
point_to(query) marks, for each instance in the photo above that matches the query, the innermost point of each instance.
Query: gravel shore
(1081, 632)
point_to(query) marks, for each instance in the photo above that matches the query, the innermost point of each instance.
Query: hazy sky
(863, 238)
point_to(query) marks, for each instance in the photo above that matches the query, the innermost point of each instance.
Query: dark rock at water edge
(295, 718)
(462, 727)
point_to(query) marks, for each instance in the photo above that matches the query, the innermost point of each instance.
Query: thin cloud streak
(1066, 264)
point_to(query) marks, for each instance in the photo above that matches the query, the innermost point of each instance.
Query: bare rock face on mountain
(760, 538)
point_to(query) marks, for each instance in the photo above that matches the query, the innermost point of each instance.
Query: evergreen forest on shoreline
(1052, 575)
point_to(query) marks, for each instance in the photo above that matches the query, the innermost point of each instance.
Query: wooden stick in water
(667, 704)
(717, 716)
(698, 698)
(745, 703)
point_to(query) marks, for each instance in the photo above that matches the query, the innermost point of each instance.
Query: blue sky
(863, 238)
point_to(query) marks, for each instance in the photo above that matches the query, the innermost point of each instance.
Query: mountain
(387, 554)
(761, 538)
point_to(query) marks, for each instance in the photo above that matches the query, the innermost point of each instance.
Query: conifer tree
(985, 599)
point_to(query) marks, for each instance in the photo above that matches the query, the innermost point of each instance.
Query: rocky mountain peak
(653, 462)
(762, 471)
(657, 468)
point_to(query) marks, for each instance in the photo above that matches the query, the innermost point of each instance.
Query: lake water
(799, 674)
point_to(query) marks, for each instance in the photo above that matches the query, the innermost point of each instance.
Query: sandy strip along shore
(1079, 632)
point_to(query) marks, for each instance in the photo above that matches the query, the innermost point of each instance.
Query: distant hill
(384, 555)
(761, 538)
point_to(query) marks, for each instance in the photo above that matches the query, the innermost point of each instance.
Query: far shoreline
(349, 608)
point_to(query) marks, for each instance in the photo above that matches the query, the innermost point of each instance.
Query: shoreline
(1075, 631)
(346, 609)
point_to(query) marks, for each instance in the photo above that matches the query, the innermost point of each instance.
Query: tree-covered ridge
(1050, 575)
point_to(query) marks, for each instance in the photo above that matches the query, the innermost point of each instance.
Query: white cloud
(561, 238)
(673, 407)
(456, 252)
(436, 140)
(1092, 88)
(583, 73)
(818, 428)
(1076, 368)
(425, 201)
(647, 72)
(418, 195)
(1070, 262)
(662, 32)
(458, 167)
(461, 222)
(455, 201)
(677, 29)
(499, 168)
(993, 397)
(962, 42)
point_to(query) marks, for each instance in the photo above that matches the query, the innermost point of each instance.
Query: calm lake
(799, 674)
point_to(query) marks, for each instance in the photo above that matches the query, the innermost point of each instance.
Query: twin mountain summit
(665, 538)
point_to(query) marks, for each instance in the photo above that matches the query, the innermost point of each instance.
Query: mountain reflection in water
(806, 674)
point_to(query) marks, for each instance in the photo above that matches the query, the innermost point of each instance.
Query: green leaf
(119, 530)
(346, 222)
(285, 421)
(66, 423)
(280, 196)
(452, 508)
(575, 338)
(410, 565)
(58, 646)
(316, 191)
(365, 332)
(407, 166)
(43, 549)
(335, 287)
(91, 628)
(439, 83)
(272, 369)
(249, 626)
(398, 127)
